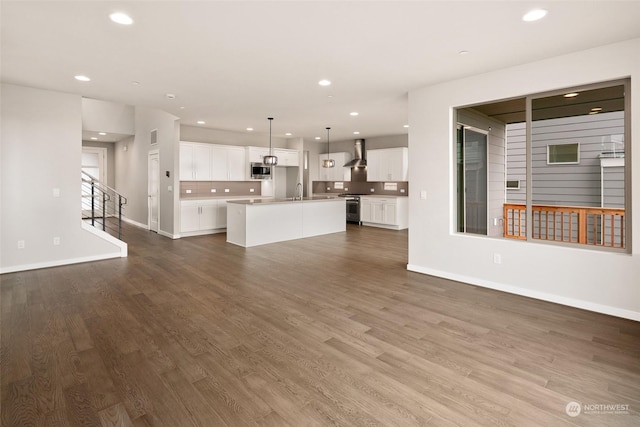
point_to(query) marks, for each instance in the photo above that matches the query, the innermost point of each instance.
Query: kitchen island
(261, 221)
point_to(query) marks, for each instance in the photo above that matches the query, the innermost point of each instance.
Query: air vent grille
(154, 136)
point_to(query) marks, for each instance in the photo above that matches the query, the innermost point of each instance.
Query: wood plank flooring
(331, 330)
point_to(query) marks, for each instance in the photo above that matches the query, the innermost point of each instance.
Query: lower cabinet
(386, 212)
(202, 216)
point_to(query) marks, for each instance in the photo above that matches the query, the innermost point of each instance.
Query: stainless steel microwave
(260, 171)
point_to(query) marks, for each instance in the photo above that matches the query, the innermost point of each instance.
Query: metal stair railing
(101, 205)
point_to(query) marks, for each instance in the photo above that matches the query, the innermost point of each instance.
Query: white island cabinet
(258, 222)
(385, 211)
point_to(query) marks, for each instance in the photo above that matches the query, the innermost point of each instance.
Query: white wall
(132, 166)
(596, 280)
(41, 151)
(105, 116)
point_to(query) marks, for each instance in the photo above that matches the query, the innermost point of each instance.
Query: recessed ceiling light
(356, 133)
(317, 137)
(135, 83)
(594, 112)
(571, 95)
(102, 133)
(324, 82)
(170, 96)
(249, 129)
(353, 113)
(596, 109)
(182, 108)
(288, 134)
(121, 18)
(94, 138)
(534, 15)
(200, 122)
(405, 126)
(463, 52)
(82, 78)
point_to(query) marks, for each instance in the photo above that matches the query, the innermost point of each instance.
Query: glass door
(472, 180)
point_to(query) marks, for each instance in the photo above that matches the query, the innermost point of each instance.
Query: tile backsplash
(205, 189)
(360, 187)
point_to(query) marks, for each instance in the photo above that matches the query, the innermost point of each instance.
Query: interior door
(93, 163)
(472, 181)
(154, 190)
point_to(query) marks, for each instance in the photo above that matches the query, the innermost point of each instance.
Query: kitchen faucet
(298, 194)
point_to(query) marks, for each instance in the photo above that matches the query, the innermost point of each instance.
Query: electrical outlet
(188, 191)
(373, 190)
(56, 192)
(226, 190)
(20, 244)
(56, 241)
(497, 259)
(252, 190)
(213, 190)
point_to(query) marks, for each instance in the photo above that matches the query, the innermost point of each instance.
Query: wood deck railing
(574, 224)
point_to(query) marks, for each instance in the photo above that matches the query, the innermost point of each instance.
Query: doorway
(154, 190)
(472, 180)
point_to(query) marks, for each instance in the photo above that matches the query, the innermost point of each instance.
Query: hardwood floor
(330, 330)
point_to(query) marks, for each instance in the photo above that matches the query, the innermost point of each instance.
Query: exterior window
(513, 184)
(563, 154)
(547, 167)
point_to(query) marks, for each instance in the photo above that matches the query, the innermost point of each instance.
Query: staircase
(102, 206)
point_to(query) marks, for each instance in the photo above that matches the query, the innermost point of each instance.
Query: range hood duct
(359, 159)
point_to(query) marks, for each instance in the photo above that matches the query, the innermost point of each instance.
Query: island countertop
(267, 201)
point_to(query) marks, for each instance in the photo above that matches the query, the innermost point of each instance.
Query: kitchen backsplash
(360, 187)
(205, 189)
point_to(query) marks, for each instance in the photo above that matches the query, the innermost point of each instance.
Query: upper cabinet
(212, 162)
(388, 164)
(195, 161)
(256, 154)
(287, 157)
(229, 163)
(336, 173)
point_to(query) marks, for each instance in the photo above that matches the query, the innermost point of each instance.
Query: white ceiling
(235, 63)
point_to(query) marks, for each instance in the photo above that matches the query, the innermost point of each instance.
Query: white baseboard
(169, 235)
(571, 302)
(136, 223)
(59, 263)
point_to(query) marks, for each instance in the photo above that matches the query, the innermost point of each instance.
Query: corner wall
(41, 150)
(601, 281)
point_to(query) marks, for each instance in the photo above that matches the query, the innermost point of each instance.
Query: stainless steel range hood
(359, 156)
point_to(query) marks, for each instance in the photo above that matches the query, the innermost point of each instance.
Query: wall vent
(154, 136)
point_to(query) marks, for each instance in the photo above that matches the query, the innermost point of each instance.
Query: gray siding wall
(613, 187)
(573, 184)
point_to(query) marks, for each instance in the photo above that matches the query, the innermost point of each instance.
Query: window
(564, 163)
(513, 184)
(563, 154)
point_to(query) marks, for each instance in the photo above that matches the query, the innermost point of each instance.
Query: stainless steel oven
(353, 207)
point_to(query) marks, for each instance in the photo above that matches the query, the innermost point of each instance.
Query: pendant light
(270, 160)
(328, 162)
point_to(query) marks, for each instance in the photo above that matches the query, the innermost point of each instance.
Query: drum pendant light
(270, 160)
(328, 162)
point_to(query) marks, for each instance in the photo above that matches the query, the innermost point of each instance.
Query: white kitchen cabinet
(287, 157)
(198, 216)
(195, 161)
(221, 214)
(228, 163)
(383, 211)
(256, 154)
(388, 164)
(338, 172)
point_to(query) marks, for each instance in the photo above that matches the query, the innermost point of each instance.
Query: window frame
(550, 163)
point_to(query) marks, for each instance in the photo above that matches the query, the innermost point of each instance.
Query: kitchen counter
(266, 201)
(256, 222)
